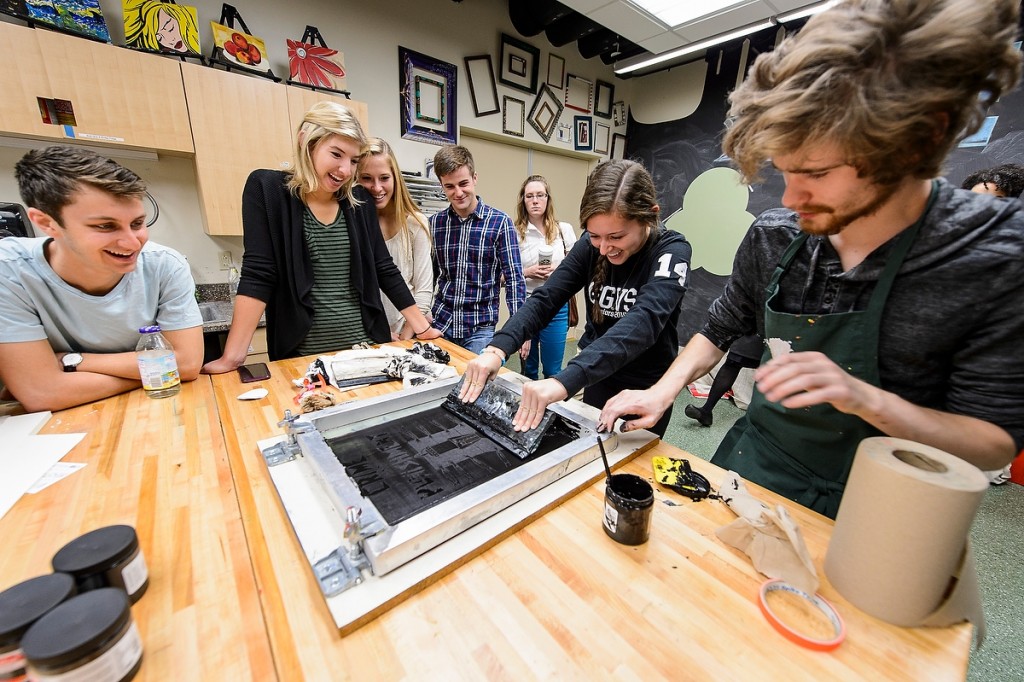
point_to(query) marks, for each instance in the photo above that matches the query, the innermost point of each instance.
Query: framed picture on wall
(427, 88)
(602, 137)
(556, 71)
(619, 113)
(618, 146)
(579, 93)
(603, 99)
(583, 125)
(513, 118)
(545, 112)
(481, 84)
(520, 63)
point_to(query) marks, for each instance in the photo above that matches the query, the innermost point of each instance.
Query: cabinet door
(120, 96)
(239, 123)
(301, 99)
(22, 80)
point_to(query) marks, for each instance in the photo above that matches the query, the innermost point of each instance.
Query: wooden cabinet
(241, 123)
(120, 97)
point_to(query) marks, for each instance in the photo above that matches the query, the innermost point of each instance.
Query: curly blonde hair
(895, 83)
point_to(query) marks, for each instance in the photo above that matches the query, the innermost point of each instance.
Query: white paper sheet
(25, 457)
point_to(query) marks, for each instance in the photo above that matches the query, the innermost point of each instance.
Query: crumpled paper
(768, 536)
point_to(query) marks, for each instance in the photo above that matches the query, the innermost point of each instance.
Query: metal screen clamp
(287, 450)
(342, 568)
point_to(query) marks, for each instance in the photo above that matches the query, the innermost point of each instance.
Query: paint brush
(604, 457)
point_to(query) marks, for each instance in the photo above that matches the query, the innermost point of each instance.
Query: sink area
(216, 312)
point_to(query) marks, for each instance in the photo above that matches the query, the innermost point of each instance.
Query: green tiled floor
(997, 536)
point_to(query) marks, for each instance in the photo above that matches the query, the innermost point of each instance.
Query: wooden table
(162, 467)
(232, 597)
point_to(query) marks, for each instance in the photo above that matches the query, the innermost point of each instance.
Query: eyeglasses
(531, 197)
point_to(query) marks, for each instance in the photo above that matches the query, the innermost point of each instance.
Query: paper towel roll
(900, 548)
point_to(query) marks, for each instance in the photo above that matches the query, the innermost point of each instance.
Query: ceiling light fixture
(641, 63)
(806, 11)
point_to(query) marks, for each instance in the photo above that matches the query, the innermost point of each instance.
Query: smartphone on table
(255, 372)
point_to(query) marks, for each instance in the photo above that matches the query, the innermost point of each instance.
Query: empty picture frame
(579, 93)
(556, 71)
(427, 88)
(513, 117)
(603, 99)
(602, 137)
(545, 112)
(481, 84)
(618, 146)
(520, 63)
(583, 125)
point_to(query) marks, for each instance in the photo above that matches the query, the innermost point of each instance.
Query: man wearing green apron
(891, 302)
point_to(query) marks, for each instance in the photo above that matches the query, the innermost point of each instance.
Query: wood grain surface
(559, 599)
(160, 466)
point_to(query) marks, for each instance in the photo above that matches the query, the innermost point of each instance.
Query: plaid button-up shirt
(473, 255)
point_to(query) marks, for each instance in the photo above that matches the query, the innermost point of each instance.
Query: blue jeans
(477, 340)
(548, 346)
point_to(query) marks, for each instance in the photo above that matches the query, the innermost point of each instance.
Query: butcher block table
(559, 599)
(232, 597)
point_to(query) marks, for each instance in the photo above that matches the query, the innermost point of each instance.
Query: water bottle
(157, 365)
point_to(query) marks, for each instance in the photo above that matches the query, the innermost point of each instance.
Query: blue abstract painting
(83, 17)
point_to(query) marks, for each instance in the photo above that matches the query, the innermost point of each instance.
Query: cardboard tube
(900, 548)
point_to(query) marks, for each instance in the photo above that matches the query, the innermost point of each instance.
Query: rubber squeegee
(491, 414)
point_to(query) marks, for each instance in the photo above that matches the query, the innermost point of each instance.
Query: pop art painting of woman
(159, 26)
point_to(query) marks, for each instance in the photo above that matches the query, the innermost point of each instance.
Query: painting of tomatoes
(238, 47)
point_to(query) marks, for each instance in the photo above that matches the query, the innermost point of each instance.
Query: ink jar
(105, 557)
(88, 637)
(22, 605)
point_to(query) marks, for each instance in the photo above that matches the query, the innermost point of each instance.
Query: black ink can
(22, 605)
(89, 637)
(628, 502)
(105, 557)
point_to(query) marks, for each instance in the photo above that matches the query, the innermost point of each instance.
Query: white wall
(369, 35)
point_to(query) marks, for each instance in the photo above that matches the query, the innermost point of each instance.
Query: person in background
(475, 246)
(745, 352)
(314, 257)
(538, 229)
(72, 302)
(892, 302)
(1006, 180)
(405, 230)
(634, 273)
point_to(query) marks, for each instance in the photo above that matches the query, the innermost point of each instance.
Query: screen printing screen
(415, 462)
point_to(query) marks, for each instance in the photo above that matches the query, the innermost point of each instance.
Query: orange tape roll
(823, 628)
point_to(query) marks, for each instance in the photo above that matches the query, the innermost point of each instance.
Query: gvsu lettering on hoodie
(615, 301)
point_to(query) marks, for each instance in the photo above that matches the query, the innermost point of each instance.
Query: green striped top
(337, 321)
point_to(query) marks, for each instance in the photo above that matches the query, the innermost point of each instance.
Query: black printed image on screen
(413, 463)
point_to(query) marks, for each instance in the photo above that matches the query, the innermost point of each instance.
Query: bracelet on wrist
(495, 351)
(422, 332)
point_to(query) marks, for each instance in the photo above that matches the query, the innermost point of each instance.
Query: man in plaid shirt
(476, 246)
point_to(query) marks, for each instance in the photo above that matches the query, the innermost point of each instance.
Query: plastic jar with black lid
(105, 557)
(88, 637)
(22, 605)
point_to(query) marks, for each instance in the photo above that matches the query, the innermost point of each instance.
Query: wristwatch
(71, 361)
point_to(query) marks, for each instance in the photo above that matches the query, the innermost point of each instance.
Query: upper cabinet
(241, 123)
(119, 97)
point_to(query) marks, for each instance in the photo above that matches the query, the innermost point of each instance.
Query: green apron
(805, 454)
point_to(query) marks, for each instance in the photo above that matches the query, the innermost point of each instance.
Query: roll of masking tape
(805, 619)
(899, 550)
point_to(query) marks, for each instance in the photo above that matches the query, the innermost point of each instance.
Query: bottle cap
(149, 330)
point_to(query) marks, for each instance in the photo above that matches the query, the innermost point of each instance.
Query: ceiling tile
(663, 42)
(588, 6)
(725, 22)
(627, 21)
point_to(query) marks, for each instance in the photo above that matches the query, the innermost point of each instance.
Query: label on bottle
(158, 370)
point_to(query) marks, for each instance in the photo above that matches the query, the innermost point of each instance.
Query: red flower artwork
(310, 64)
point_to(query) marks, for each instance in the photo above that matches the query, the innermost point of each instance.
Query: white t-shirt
(529, 245)
(36, 304)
